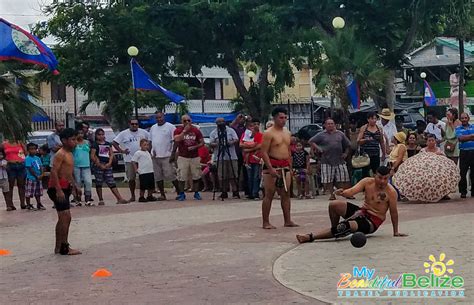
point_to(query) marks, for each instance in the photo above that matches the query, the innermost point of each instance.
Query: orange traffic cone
(4, 252)
(102, 273)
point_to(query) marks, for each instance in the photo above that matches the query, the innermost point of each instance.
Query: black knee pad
(342, 229)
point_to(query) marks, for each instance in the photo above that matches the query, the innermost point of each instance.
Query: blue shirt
(82, 155)
(461, 131)
(35, 164)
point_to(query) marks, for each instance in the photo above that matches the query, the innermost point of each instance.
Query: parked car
(39, 137)
(410, 118)
(206, 129)
(308, 131)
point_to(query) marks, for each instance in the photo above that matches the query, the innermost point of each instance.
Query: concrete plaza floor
(214, 252)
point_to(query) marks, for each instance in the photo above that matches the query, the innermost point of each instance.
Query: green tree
(92, 43)
(16, 108)
(344, 55)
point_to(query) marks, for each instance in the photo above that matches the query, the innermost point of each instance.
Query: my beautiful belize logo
(438, 283)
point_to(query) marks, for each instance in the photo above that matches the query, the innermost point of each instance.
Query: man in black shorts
(60, 186)
(379, 198)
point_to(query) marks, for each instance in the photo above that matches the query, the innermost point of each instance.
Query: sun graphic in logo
(438, 267)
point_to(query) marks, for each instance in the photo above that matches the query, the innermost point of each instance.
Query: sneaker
(89, 204)
(235, 195)
(78, 204)
(142, 199)
(40, 207)
(11, 208)
(197, 196)
(101, 202)
(181, 197)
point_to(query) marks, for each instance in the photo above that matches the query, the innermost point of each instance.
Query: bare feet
(122, 201)
(291, 224)
(268, 226)
(74, 252)
(304, 238)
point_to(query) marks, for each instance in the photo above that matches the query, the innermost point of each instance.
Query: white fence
(55, 112)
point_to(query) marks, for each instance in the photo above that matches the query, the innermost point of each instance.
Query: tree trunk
(390, 89)
(233, 69)
(461, 75)
(262, 92)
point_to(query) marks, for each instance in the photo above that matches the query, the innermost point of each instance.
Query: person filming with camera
(223, 140)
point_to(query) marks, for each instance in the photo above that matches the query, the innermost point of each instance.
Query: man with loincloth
(379, 198)
(61, 183)
(276, 155)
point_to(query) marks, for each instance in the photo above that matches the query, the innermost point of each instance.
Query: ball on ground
(358, 239)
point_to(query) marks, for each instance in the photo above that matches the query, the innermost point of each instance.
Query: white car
(39, 137)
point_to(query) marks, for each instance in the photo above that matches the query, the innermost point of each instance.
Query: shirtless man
(277, 168)
(61, 183)
(379, 198)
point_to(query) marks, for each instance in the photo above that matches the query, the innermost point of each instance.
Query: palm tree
(344, 54)
(16, 109)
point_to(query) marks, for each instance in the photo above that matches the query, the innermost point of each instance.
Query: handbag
(360, 160)
(450, 146)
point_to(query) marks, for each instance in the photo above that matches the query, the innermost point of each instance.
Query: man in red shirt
(188, 140)
(250, 143)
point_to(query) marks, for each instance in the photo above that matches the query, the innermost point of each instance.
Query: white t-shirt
(145, 164)
(161, 138)
(131, 140)
(434, 129)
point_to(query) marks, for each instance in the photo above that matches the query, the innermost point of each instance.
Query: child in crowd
(206, 164)
(4, 186)
(301, 170)
(82, 169)
(45, 157)
(34, 173)
(143, 164)
(102, 158)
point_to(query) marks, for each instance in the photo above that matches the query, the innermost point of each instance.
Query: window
(58, 92)
(439, 50)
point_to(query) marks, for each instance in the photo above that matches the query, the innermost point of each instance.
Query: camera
(221, 126)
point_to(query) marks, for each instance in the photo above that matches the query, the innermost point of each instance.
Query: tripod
(222, 151)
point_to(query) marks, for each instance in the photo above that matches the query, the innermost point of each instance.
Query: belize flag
(353, 92)
(142, 81)
(18, 44)
(430, 98)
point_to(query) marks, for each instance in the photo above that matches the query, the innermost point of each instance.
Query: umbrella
(427, 177)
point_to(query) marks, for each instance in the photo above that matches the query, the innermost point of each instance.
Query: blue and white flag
(142, 81)
(430, 98)
(18, 44)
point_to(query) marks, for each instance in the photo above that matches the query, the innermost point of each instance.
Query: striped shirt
(372, 143)
(465, 131)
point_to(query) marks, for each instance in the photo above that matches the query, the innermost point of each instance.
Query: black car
(308, 131)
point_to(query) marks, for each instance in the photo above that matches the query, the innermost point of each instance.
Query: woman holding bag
(451, 146)
(371, 141)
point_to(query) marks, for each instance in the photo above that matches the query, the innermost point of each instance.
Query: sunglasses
(186, 121)
(134, 124)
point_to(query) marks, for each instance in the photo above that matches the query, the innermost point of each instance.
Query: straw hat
(386, 114)
(401, 137)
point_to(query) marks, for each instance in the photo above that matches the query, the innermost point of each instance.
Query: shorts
(228, 169)
(104, 175)
(329, 173)
(189, 166)
(130, 171)
(33, 188)
(163, 169)
(365, 222)
(60, 205)
(147, 181)
(4, 185)
(16, 170)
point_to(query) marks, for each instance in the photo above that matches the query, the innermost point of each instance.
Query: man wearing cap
(388, 126)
